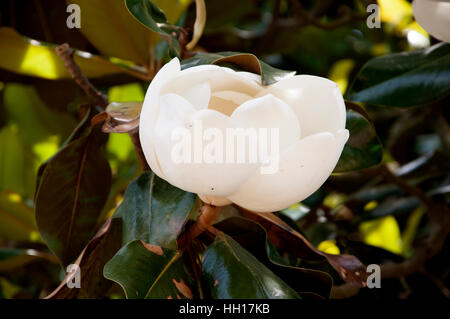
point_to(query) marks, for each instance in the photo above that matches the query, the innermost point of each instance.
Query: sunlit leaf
(31, 57)
(17, 219)
(382, 232)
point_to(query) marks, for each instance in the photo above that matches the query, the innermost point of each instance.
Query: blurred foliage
(398, 75)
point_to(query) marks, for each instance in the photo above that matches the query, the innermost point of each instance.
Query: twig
(66, 54)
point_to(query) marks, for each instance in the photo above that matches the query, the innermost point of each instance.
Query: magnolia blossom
(434, 17)
(307, 112)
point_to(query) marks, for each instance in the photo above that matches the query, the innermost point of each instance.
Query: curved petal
(149, 112)
(268, 112)
(317, 101)
(227, 101)
(220, 79)
(303, 168)
(197, 163)
(199, 95)
(434, 17)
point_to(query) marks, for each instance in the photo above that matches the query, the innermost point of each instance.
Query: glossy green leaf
(73, 189)
(152, 17)
(405, 79)
(232, 272)
(30, 57)
(154, 211)
(243, 61)
(147, 271)
(363, 149)
(253, 237)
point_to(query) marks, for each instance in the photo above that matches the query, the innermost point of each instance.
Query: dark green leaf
(390, 207)
(232, 272)
(147, 271)
(363, 149)
(154, 211)
(243, 61)
(405, 79)
(12, 258)
(147, 13)
(73, 189)
(285, 237)
(91, 262)
(253, 238)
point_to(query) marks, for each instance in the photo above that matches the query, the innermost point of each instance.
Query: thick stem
(207, 218)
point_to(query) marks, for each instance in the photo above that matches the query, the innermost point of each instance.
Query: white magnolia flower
(434, 17)
(308, 111)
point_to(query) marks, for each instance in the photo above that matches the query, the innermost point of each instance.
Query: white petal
(317, 101)
(150, 109)
(199, 95)
(271, 113)
(220, 79)
(227, 101)
(251, 76)
(434, 17)
(208, 178)
(303, 168)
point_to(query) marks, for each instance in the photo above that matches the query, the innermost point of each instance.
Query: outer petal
(317, 101)
(303, 168)
(220, 79)
(199, 95)
(433, 16)
(214, 178)
(150, 109)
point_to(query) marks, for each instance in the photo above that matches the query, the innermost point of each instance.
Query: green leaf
(108, 25)
(390, 207)
(35, 58)
(17, 219)
(73, 189)
(244, 61)
(233, 273)
(363, 149)
(147, 271)
(405, 79)
(154, 211)
(151, 16)
(253, 238)
(13, 258)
